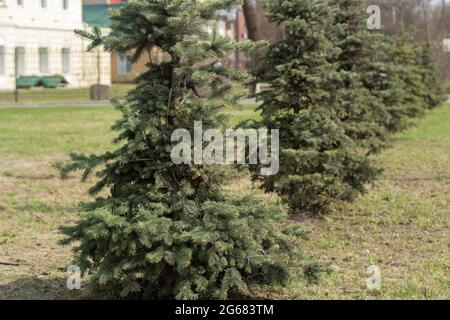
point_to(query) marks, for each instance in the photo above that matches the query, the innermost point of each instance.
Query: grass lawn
(42, 95)
(402, 224)
(58, 94)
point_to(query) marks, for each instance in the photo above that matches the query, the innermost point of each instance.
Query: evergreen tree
(413, 66)
(165, 230)
(405, 54)
(382, 78)
(319, 159)
(366, 57)
(368, 54)
(364, 114)
(435, 93)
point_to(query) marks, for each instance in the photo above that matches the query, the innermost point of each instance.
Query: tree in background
(258, 26)
(319, 160)
(435, 93)
(381, 77)
(364, 114)
(165, 230)
(428, 20)
(406, 55)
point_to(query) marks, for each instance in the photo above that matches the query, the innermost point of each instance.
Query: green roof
(98, 14)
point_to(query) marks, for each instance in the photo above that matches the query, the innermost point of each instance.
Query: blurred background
(42, 60)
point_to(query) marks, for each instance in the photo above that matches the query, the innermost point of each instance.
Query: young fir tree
(368, 54)
(319, 160)
(405, 54)
(165, 230)
(364, 114)
(382, 78)
(435, 93)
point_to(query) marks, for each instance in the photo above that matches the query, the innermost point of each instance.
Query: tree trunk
(258, 26)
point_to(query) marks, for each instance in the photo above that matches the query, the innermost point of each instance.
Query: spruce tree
(320, 162)
(382, 78)
(364, 114)
(405, 54)
(366, 57)
(415, 68)
(435, 93)
(164, 230)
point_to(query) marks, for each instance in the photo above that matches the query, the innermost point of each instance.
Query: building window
(65, 58)
(20, 61)
(44, 3)
(2, 61)
(43, 60)
(65, 4)
(124, 63)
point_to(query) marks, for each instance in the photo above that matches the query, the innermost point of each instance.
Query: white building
(37, 38)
